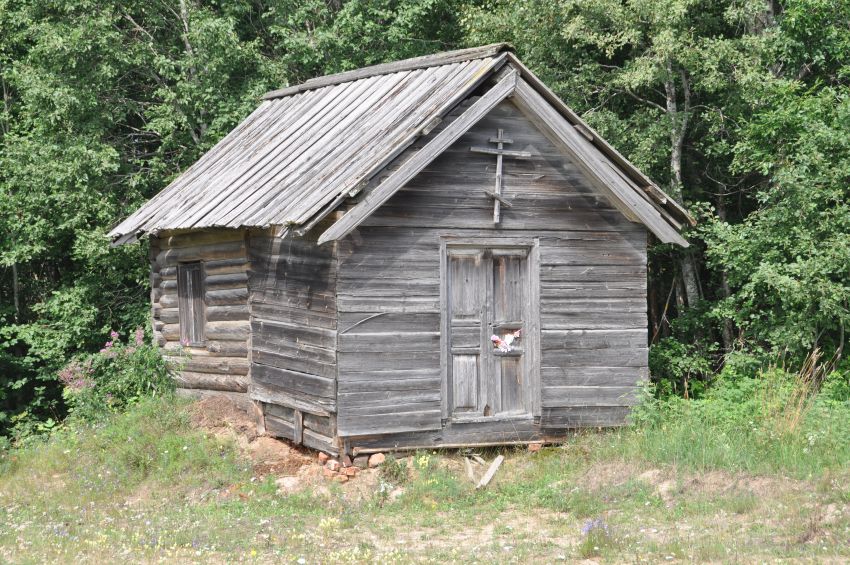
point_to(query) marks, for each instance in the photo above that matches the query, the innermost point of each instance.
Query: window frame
(191, 309)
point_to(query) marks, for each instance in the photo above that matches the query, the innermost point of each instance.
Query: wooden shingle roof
(307, 148)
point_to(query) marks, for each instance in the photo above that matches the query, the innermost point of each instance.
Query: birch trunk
(678, 130)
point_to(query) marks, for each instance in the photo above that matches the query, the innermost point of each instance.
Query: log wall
(293, 337)
(221, 364)
(592, 284)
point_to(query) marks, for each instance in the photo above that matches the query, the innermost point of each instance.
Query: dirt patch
(220, 416)
(608, 474)
(268, 456)
(274, 457)
(670, 482)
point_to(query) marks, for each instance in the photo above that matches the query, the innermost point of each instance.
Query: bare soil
(270, 456)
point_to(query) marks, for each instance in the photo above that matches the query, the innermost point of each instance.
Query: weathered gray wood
(191, 306)
(281, 332)
(212, 365)
(593, 376)
(207, 381)
(394, 422)
(491, 472)
(394, 67)
(388, 341)
(199, 238)
(230, 280)
(469, 473)
(583, 416)
(281, 428)
(275, 395)
(234, 297)
(633, 172)
(558, 396)
(356, 327)
(408, 124)
(257, 409)
(237, 330)
(624, 197)
(225, 250)
(294, 381)
(291, 361)
(416, 163)
(298, 428)
(573, 358)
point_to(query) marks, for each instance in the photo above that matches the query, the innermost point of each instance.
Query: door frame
(531, 333)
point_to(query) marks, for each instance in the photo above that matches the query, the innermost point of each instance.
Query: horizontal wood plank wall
(221, 365)
(293, 337)
(592, 293)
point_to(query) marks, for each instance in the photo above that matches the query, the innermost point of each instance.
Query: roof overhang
(238, 184)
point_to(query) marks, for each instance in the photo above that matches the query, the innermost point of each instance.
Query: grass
(146, 486)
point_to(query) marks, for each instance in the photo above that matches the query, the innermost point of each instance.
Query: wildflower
(114, 335)
(140, 337)
(75, 375)
(594, 526)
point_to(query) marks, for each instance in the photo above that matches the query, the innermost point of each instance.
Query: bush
(794, 422)
(120, 374)
(681, 369)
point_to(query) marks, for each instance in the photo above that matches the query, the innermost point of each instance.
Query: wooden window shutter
(190, 302)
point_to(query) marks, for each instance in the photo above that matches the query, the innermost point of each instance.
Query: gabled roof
(308, 148)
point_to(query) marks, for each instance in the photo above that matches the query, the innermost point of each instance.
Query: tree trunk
(728, 330)
(202, 126)
(653, 306)
(16, 292)
(689, 279)
(690, 294)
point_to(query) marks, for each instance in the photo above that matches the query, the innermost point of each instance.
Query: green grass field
(147, 486)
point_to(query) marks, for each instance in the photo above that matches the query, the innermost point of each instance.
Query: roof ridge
(433, 60)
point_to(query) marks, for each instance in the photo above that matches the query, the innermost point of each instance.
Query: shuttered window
(190, 293)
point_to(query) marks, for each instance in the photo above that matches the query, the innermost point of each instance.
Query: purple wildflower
(140, 337)
(597, 525)
(75, 375)
(114, 335)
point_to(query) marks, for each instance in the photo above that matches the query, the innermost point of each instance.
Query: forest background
(740, 109)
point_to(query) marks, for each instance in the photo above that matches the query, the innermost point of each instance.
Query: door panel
(466, 307)
(465, 382)
(487, 292)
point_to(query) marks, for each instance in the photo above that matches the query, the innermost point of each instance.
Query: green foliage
(103, 383)
(394, 471)
(105, 103)
(739, 109)
(151, 441)
(777, 421)
(680, 368)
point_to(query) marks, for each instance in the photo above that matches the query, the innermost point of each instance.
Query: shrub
(681, 369)
(780, 420)
(394, 471)
(118, 375)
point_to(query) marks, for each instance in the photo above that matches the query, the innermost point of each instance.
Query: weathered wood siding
(293, 337)
(592, 277)
(221, 364)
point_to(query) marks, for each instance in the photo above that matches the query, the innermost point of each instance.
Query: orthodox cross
(499, 151)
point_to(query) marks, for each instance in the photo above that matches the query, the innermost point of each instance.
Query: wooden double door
(489, 322)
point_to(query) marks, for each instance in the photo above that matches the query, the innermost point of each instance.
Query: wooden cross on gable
(500, 152)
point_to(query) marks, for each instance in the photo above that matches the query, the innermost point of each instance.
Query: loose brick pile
(345, 468)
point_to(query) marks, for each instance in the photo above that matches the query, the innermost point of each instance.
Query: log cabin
(428, 253)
